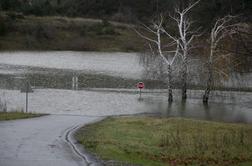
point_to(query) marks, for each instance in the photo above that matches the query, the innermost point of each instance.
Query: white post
(73, 80)
(75, 83)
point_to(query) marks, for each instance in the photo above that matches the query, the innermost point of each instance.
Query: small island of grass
(152, 141)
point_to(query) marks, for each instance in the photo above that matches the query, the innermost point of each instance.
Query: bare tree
(157, 33)
(186, 36)
(222, 28)
(183, 44)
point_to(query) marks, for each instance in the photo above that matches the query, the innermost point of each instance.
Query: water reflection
(107, 102)
(207, 111)
(227, 108)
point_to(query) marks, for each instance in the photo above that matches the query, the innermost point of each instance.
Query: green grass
(17, 115)
(152, 141)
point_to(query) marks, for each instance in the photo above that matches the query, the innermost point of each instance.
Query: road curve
(44, 141)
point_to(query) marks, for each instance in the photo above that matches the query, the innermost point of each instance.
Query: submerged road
(44, 141)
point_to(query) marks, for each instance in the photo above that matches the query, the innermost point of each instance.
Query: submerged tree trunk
(184, 79)
(223, 27)
(158, 30)
(170, 96)
(184, 86)
(210, 75)
(209, 83)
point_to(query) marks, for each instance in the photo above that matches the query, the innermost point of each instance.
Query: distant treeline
(127, 10)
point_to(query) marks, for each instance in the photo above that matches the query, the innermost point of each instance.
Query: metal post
(27, 91)
(76, 83)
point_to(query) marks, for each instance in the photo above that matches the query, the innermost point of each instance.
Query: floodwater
(15, 66)
(115, 64)
(224, 106)
(123, 65)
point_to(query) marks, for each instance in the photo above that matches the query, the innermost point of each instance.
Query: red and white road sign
(140, 85)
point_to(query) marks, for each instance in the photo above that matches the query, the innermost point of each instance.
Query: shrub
(104, 28)
(14, 16)
(84, 31)
(110, 30)
(3, 29)
(44, 32)
(3, 26)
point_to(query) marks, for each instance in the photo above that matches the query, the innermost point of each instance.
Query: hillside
(60, 24)
(19, 32)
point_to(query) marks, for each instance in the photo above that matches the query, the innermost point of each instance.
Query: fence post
(75, 83)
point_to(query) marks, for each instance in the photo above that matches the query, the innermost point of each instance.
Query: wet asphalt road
(41, 141)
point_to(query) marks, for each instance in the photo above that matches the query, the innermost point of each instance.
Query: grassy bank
(17, 115)
(155, 141)
(20, 32)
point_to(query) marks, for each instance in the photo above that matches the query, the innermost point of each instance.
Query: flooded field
(55, 69)
(115, 64)
(51, 76)
(224, 106)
